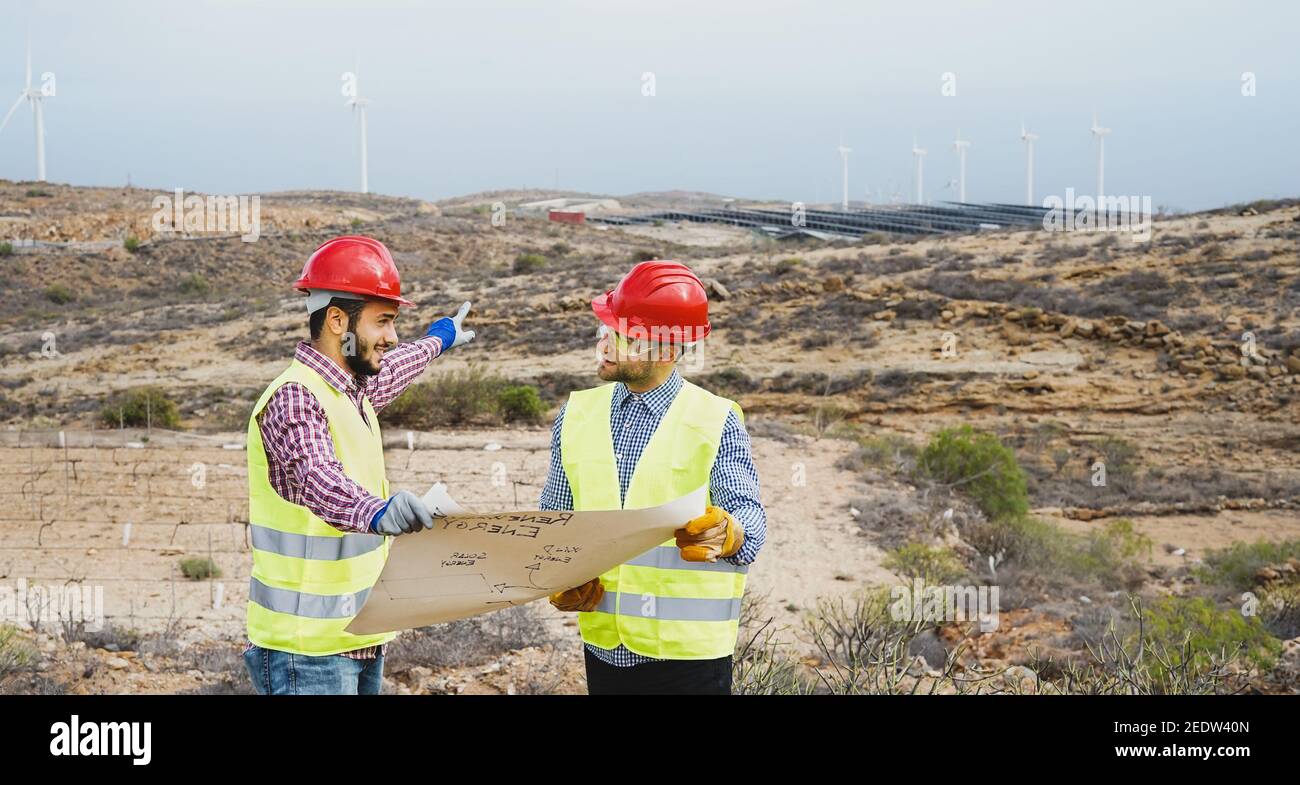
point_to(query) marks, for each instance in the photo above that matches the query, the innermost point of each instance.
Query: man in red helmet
(320, 510)
(666, 621)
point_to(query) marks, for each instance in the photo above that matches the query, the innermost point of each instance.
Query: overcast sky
(750, 97)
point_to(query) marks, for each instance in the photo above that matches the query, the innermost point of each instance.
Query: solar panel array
(944, 218)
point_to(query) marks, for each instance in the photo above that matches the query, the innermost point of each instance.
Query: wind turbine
(1100, 133)
(1029, 139)
(920, 162)
(358, 105)
(960, 146)
(844, 160)
(33, 96)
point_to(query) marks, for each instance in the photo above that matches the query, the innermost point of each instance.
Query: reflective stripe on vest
(648, 606)
(306, 546)
(669, 557)
(657, 604)
(309, 579)
(314, 606)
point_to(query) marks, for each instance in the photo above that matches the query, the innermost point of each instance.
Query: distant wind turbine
(358, 105)
(920, 165)
(33, 96)
(1100, 133)
(1029, 139)
(960, 146)
(844, 160)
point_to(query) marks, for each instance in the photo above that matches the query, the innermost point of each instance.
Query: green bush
(131, 243)
(1235, 566)
(1118, 455)
(1111, 555)
(16, 654)
(932, 564)
(59, 294)
(887, 452)
(6, 248)
(1208, 631)
(198, 569)
(1108, 557)
(981, 466)
(520, 403)
(786, 265)
(148, 406)
(451, 398)
(194, 284)
(526, 263)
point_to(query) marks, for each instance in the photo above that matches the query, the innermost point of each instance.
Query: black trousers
(665, 677)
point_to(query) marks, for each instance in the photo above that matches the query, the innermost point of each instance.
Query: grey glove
(403, 514)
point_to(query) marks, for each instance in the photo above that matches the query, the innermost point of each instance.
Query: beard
(361, 363)
(634, 372)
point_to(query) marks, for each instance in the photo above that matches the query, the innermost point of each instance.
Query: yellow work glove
(582, 598)
(710, 536)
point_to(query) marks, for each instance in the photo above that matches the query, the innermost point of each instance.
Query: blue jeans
(281, 673)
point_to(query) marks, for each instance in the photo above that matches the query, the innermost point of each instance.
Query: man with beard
(666, 621)
(319, 508)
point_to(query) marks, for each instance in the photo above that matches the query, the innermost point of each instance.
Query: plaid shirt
(301, 462)
(733, 481)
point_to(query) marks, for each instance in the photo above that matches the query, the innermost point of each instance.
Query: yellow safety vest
(657, 604)
(309, 579)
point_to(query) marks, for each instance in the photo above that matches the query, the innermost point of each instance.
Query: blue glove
(449, 330)
(402, 514)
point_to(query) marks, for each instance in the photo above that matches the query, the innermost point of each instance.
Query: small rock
(116, 663)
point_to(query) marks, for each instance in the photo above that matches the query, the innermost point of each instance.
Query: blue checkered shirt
(733, 481)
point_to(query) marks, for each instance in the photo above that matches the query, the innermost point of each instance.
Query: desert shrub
(932, 564)
(110, 636)
(193, 284)
(979, 465)
(6, 248)
(470, 641)
(520, 403)
(887, 452)
(197, 569)
(786, 266)
(1108, 557)
(1279, 611)
(764, 663)
(1119, 456)
(1236, 565)
(148, 406)
(643, 255)
(894, 383)
(131, 243)
(451, 398)
(59, 294)
(730, 382)
(1208, 632)
(16, 654)
(526, 263)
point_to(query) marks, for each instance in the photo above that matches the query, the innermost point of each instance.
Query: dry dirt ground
(1178, 357)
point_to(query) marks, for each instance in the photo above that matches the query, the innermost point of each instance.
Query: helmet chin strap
(319, 298)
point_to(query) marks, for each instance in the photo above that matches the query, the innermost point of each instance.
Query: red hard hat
(657, 299)
(361, 265)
